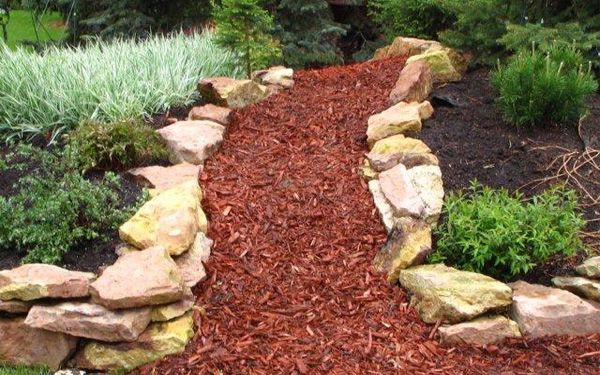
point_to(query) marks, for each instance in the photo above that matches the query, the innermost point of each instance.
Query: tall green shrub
(245, 28)
(537, 88)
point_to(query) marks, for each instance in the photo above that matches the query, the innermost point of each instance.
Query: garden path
(290, 286)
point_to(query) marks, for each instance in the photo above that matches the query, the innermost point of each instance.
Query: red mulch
(290, 288)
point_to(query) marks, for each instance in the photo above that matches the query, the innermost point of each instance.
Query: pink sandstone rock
(399, 191)
(163, 178)
(414, 84)
(192, 141)
(211, 112)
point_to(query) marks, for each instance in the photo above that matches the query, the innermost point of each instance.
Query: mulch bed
(290, 287)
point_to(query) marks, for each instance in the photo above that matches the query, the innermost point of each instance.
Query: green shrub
(540, 88)
(416, 18)
(119, 145)
(499, 234)
(56, 210)
(106, 82)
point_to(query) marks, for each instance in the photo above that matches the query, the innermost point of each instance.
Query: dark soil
(88, 256)
(290, 286)
(472, 141)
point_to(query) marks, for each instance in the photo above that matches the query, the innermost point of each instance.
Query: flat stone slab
(171, 311)
(164, 178)
(159, 340)
(399, 190)
(145, 278)
(581, 286)
(279, 76)
(544, 311)
(211, 112)
(83, 319)
(192, 141)
(15, 307)
(190, 263)
(408, 245)
(231, 93)
(398, 149)
(481, 331)
(453, 296)
(427, 182)
(402, 118)
(590, 268)
(171, 219)
(23, 345)
(34, 281)
(414, 84)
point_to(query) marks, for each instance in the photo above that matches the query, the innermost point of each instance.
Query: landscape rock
(171, 311)
(192, 141)
(481, 331)
(15, 307)
(171, 220)
(398, 149)
(581, 286)
(145, 278)
(428, 183)
(385, 209)
(442, 64)
(34, 281)
(544, 311)
(158, 341)
(402, 46)
(397, 187)
(211, 112)
(164, 178)
(367, 172)
(279, 76)
(408, 245)
(453, 296)
(23, 345)
(590, 268)
(84, 319)
(414, 84)
(231, 93)
(403, 118)
(191, 262)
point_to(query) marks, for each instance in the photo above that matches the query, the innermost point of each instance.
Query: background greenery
(21, 28)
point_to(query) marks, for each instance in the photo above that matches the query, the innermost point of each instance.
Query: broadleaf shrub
(502, 235)
(55, 209)
(118, 145)
(544, 87)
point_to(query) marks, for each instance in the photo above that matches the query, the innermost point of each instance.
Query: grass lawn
(20, 27)
(22, 370)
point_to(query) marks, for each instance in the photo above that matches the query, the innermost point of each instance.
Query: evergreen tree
(310, 35)
(244, 27)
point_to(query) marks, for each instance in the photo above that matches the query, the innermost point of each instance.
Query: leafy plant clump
(245, 28)
(539, 88)
(502, 235)
(118, 145)
(47, 94)
(56, 210)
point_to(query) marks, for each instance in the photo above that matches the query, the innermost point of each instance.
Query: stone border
(139, 309)
(406, 183)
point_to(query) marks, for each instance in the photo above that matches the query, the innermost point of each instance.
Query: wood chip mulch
(290, 287)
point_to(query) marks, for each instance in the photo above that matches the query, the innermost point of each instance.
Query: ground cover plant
(21, 28)
(543, 88)
(23, 370)
(55, 209)
(52, 92)
(502, 235)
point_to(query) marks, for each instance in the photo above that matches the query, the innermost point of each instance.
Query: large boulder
(453, 296)
(445, 64)
(192, 141)
(232, 93)
(581, 286)
(402, 46)
(403, 118)
(544, 311)
(414, 84)
(211, 112)
(385, 209)
(34, 281)
(15, 307)
(590, 268)
(158, 341)
(398, 188)
(481, 331)
(408, 245)
(389, 152)
(427, 182)
(171, 220)
(191, 262)
(164, 178)
(23, 345)
(83, 319)
(144, 278)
